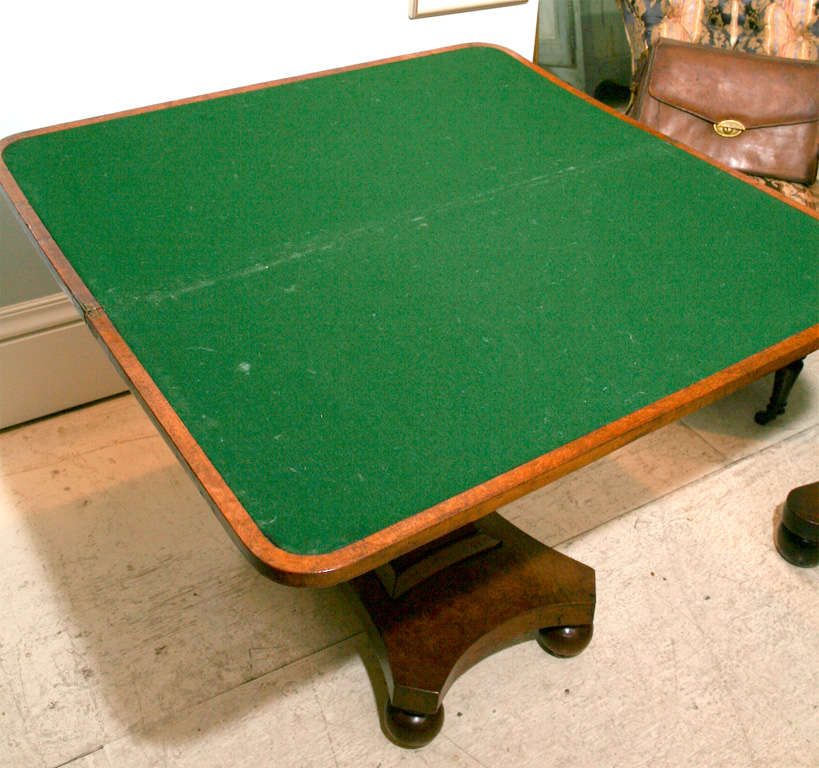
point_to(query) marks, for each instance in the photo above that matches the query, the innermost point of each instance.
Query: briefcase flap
(721, 86)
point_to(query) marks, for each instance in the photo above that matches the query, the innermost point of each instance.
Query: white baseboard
(49, 361)
(36, 315)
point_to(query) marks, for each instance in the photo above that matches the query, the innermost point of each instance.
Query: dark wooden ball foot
(565, 642)
(410, 730)
(797, 537)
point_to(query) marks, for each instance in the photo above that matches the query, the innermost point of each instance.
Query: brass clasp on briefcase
(729, 129)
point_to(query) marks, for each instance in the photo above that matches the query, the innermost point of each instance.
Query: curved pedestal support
(462, 612)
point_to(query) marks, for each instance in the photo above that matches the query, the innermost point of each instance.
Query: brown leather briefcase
(756, 114)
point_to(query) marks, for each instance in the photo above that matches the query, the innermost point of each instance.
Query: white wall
(67, 59)
(23, 272)
(63, 60)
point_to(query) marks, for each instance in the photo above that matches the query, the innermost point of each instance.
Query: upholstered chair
(786, 28)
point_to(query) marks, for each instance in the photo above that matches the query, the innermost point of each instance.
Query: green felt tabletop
(367, 292)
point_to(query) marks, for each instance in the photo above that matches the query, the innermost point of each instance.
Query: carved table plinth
(439, 610)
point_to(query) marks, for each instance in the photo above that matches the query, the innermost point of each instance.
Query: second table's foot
(797, 537)
(436, 612)
(784, 379)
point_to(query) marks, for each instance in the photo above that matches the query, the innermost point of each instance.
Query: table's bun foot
(411, 730)
(439, 610)
(565, 642)
(797, 537)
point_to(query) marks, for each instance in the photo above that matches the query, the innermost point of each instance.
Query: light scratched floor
(133, 633)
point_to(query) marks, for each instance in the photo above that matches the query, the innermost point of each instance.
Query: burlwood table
(369, 307)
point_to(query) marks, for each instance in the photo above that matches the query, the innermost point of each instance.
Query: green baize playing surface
(367, 292)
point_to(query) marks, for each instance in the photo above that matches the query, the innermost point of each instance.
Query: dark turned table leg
(437, 611)
(784, 379)
(797, 536)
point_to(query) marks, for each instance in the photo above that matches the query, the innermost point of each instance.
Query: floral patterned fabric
(807, 196)
(787, 28)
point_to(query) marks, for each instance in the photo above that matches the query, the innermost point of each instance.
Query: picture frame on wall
(419, 9)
